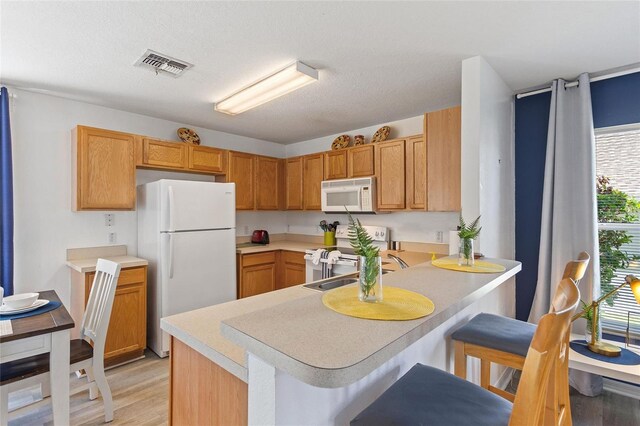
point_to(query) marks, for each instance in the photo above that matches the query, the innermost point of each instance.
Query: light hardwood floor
(140, 397)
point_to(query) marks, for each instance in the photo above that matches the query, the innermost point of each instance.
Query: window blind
(618, 170)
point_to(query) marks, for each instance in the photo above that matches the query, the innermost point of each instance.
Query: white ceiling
(378, 61)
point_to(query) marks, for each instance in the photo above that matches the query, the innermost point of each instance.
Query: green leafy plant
(362, 245)
(614, 206)
(468, 233)
(587, 313)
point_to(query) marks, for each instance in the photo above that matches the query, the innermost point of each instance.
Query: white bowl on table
(19, 301)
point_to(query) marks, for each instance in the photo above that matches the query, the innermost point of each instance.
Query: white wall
(488, 164)
(407, 127)
(45, 226)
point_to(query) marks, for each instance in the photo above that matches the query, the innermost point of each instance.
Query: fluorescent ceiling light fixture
(280, 83)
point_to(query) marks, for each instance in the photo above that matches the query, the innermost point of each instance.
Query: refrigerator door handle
(171, 208)
(170, 256)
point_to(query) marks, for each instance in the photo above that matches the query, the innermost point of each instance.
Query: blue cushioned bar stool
(502, 340)
(428, 396)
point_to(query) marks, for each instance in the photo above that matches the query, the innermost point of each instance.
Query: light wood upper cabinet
(335, 164)
(164, 154)
(361, 161)
(267, 177)
(104, 169)
(390, 172)
(242, 172)
(442, 129)
(312, 181)
(207, 159)
(416, 162)
(293, 183)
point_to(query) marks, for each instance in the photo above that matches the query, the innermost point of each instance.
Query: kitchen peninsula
(283, 358)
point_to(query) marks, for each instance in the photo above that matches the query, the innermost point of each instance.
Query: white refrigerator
(186, 230)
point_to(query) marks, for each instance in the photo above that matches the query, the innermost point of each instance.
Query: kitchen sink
(330, 284)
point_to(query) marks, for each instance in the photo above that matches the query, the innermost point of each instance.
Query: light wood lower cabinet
(267, 271)
(390, 173)
(203, 393)
(291, 269)
(257, 273)
(104, 170)
(127, 333)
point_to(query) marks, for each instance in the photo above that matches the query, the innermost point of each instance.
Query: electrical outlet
(246, 230)
(112, 238)
(109, 219)
(440, 237)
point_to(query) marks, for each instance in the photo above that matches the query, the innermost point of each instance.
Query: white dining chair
(86, 353)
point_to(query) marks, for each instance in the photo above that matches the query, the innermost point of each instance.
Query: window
(618, 184)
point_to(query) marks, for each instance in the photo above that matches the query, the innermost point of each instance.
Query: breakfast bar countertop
(326, 349)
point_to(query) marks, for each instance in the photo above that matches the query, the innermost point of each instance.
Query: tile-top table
(38, 334)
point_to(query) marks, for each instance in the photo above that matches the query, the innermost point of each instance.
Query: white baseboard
(625, 389)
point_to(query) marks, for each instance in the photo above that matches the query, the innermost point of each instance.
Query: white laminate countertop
(89, 265)
(279, 245)
(323, 348)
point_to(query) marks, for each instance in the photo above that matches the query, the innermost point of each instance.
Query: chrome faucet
(402, 263)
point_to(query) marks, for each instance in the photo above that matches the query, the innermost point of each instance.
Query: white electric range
(347, 263)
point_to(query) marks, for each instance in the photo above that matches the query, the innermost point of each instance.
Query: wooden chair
(502, 340)
(86, 353)
(426, 395)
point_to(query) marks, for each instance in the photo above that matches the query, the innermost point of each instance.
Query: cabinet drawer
(127, 276)
(258, 258)
(293, 257)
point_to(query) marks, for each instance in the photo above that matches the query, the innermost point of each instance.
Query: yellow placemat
(397, 304)
(479, 266)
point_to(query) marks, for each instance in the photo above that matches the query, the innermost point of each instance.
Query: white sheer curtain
(569, 206)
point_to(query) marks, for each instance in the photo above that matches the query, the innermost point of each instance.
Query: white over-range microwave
(357, 195)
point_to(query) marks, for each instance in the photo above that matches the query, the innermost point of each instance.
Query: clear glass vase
(465, 252)
(370, 279)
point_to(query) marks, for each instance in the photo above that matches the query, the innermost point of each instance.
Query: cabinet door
(127, 332)
(443, 159)
(292, 269)
(360, 161)
(416, 151)
(258, 279)
(267, 179)
(293, 184)
(164, 154)
(207, 159)
(242, 172)
(335, 164)
(312, 181)
(105, 171)
(390, 172)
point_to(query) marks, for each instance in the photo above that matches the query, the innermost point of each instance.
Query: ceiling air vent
(163, 63)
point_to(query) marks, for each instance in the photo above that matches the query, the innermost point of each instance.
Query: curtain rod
(592, 77)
